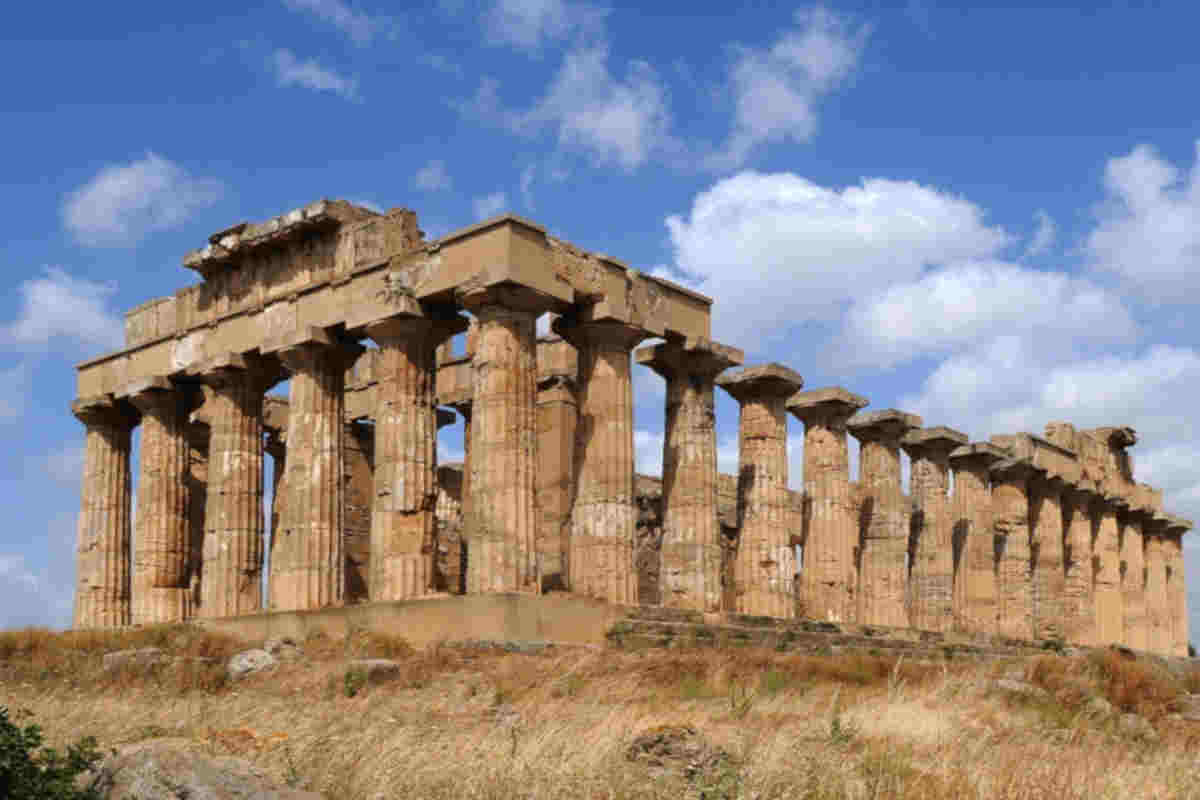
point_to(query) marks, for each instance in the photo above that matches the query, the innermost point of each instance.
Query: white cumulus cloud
(125, 202)
(529, 24)
(291, 71)
(57, 307)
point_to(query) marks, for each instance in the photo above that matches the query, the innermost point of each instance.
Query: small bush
(29, 771)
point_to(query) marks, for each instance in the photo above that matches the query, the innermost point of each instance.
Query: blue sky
(988, 216)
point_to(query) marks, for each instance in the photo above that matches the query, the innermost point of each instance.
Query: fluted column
(690, 568)
(403, 514)
(603, 514)
(884, 516)
(162, 540)
(1106, 578)
(1177, 584)
(1046, 562)
(975, 590)
(233, 534)
(1079, 615)
(1133, 580)
(1010, 522)
(463, 408)
(828, 578)
(931, 564)
(1158, 638)
(102, 551)
(501, 517)
(558, 415)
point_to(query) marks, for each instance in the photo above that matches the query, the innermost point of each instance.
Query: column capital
(297, 349)
(151, 394)
(937, 442)
(229, 368)
(1014, 471)
(763, 381)
(982, 453)
(1177, 526)
(510, 296)
(104, 409)
(615, 334)
(833, 403)
(691, 356)
(437, 321)
(887, 425)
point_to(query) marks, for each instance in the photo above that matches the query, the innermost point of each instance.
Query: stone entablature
(1028, 536)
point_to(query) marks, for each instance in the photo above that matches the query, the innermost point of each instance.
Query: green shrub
(29, 771)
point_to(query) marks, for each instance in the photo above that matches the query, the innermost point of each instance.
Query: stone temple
(1026, 536)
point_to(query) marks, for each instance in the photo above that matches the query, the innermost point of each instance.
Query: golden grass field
(603, 723)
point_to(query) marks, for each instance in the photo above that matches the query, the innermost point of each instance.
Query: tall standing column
(501, 521)
(102, 552)
(1106, 577)
(1079, 616)
(404, 505)
(1046, 544)
(1157, 617)
(162, 541)
(1177, 584)
(307, 552)
(764, 568)
(1010, 521)
(975, 592)
(884, 519)
(690, 568)
(463, 407)
(233, 524)
(1133, 580)
(558, 415)
(603, 515)
(931, 564)
(828, 578)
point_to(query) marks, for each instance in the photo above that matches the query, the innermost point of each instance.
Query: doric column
(1133, 579)
(1177, 584)
(1046, 562)
(1158, 637)
(603, 514)
(162, 541)
(233, 535)
(558, 415)
(828, 578)
(102, 553)
(931, 559)
(501, 518)
(764, 566)
(690, 555)
(1010, 522)
(1079, 604)
(884, 517)
(975, 591)
(1106, 577)
(403, 513)
(463, 407)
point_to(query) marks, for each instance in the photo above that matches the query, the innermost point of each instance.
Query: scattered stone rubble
(1027, 536)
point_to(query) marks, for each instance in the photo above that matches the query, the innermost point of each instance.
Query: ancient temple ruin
(1026, 536)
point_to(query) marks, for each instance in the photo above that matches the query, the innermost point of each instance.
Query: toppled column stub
(884, 516)
(690, 554)
(931, 553)
(1106, 574)
(603, 514)
(406, 423)
(1010, 521)
(828, 579)
(102, 591)
(1177, 606)
(233, 536)
(307, 551)
(161, 580)
(974, 541)
(765, 564)
(1046, 557)
(1080, 501)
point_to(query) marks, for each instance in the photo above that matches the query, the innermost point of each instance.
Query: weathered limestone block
(1133, 580)
(450, 557)
(647, 550)
(1046, 557)
(690, 553)
(1176, 583)
(884, 516)
(765, 565)
(828, 578)
(1106, 575)
(102, 555)
(931, 561)
(405, 451)
(233, 537)
(603, 515)
(558, 415)
(1010, 522)
(162, 556)
(1158, 631)
(974, 540)
(501, 514)
(1079, 614)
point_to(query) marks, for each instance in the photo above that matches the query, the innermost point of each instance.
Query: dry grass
(477, 723)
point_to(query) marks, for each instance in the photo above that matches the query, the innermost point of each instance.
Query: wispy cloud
(360, 27)
(1043, 236)
(57, 307)
(432, 177)
(530, 24)
(125, 202)
(291, 71)
(489, 205)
